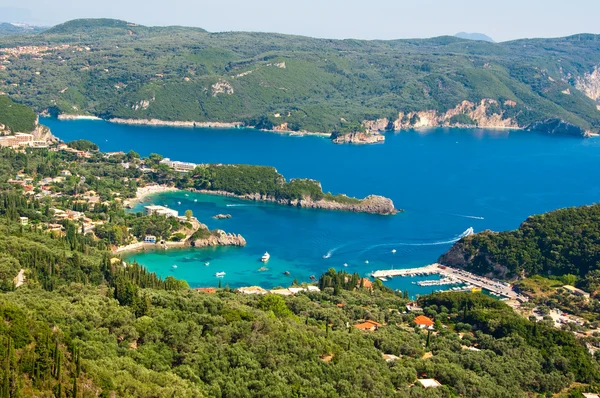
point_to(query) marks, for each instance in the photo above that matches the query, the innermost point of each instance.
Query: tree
(189, 214)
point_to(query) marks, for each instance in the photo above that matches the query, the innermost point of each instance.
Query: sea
(445, 180)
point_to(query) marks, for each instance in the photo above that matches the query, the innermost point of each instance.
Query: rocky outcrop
(222, 216)
(589, 84)
(157, 122)
(372, 204)
(559, 127)
(486, 114)
(221, 87)
(219, 238)
(43, 133)
(463, 255)
(359, 138)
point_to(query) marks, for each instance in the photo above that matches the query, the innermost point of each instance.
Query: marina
(454, 276)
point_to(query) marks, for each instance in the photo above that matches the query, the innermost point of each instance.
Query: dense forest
(115, 69)
(560, 242)
(16, 118)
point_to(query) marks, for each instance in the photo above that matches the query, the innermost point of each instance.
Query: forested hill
(15, 117)
(116, 69)
(561, 242)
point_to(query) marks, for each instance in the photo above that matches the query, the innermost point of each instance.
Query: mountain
(16, 117)
(18, 29)
(117, 69)
(474, 36)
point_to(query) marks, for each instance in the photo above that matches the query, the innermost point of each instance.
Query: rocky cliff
(485, 114)
(359, 138)
(560, 127)
(589, 84)
(372, 204)
(219, 238)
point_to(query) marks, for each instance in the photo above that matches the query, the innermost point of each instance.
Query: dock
(496, 288)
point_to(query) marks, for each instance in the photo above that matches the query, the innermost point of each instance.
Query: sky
(338, 19)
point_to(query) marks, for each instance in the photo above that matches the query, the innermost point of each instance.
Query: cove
(446, 180)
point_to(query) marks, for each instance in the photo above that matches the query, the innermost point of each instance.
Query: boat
(312, 277)
(345, 264)
(220, 274)
(178, 203)
(195, 200)
(286, 273)
(187, 194)
(367, 262)
(381, 278)
(393, 250)
(207, 263)
(263, 269)
(174, 267)
(265, 257)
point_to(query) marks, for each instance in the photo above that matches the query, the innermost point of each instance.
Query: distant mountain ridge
(120, 70)
(474, 36)
(18, 29)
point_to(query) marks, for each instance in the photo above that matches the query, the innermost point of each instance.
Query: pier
(496, 288)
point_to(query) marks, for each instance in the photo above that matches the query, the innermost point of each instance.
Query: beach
(143, 192)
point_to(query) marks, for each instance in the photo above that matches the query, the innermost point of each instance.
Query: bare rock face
(359, 138)
(42, 133)
(589, 84)
(220, 238)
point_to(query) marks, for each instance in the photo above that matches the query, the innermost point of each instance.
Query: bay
(446, 180)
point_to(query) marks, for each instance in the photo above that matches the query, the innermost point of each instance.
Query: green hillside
(117, 69)
(16, 117)
(561, 242)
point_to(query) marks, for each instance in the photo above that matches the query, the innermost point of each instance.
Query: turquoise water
(447, 180)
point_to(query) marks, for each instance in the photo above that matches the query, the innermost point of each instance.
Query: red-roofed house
(423, 322)
(209, 290)
(369, 326)
(366, 283)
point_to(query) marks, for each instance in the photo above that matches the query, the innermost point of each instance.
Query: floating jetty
(428, 270)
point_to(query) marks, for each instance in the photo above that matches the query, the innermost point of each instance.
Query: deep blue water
(447, 180)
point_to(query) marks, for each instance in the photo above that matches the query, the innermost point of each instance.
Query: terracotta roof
(366, 283)
(423, 320)
(368, 325)
(209, 290)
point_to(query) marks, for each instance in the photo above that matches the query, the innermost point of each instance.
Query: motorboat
(265, 257)
(393, 250)
(345, 264)
(220, 274)
(174, 267)
(207, 263)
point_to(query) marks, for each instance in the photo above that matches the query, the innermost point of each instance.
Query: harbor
(452, 276)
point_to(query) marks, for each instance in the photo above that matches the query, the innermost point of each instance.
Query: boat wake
(465, 216)
(239, 205)
(469, 231)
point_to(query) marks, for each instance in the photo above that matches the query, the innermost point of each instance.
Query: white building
(161, 211)
(179, 166)
(150, 239)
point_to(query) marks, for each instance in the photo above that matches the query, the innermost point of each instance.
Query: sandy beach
(143, 192)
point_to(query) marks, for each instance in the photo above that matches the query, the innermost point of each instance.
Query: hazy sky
(363, 19)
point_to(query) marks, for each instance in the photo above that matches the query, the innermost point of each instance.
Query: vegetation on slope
(560, 242)
(15, 117)
(172, 73)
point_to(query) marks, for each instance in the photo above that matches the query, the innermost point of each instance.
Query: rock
(222, 216)
(358, 138)
(220, 238)
(558, 126)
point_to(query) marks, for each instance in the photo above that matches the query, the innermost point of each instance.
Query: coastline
(77, 117)
(143, 192)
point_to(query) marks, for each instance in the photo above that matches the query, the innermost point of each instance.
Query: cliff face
(372, 204)
(359, 138)
(43, 133)
(479, 113)
(589, 84)
(220, 238)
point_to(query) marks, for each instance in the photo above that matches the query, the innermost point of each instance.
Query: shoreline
(77, 117)
(148, 190)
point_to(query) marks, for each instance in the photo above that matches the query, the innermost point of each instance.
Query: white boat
(195, 200)
(367, 262)
(265, 257)
(220, 274)
(178, 203)
(345, 264)
(187, 194)
(207, 263)
(174, 267)
(393, 250)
